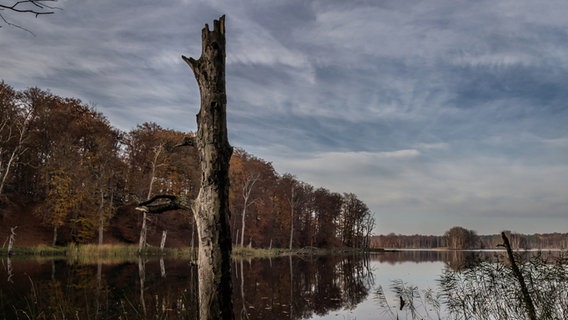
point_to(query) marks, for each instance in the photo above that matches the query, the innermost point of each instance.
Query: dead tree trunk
(211, 208)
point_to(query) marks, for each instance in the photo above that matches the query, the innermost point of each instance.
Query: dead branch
(164, 202)
(38, 4)
(519, 275)
(187, 141)
(35, 7)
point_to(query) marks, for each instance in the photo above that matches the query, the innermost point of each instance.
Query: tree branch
(157, 205)
(35, 7)
(187, 141)
(40, 4)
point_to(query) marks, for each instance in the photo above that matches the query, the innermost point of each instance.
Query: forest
(460, 238)
(70, 169)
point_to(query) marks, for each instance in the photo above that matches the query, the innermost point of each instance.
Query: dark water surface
(307, 287)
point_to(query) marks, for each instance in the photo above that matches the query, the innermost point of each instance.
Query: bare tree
(248, 186)
(144, 228)
(14, 127)
(31, 7)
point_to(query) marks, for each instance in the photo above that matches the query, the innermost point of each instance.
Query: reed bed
(120, 252)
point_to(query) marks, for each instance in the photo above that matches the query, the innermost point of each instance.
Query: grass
(41, 250)
(92, 252)
(120, 252)
(246, 252)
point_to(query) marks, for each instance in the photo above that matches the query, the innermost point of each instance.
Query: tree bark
(211, 208)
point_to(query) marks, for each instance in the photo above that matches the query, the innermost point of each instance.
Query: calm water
(328, 287)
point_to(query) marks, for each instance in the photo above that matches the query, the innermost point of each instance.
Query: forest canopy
(77, 172)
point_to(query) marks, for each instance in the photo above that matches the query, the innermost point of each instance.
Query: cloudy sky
(435, 113)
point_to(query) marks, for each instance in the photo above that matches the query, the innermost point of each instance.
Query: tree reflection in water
(304, 287)
(300, 288)
(129, 290)
(281, 288)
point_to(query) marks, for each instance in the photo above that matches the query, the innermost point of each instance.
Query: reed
(249, 252)
(40, 250)
(88, 252)
(240, 252)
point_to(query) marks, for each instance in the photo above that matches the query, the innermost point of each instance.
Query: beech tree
(243, 181)
(251, 194)
(10, 133)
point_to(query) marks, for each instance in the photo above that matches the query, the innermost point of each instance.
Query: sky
(435, 113)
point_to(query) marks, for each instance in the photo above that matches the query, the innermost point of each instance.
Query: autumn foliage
(77, 172)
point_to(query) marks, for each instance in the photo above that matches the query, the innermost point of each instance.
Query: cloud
(436, 113)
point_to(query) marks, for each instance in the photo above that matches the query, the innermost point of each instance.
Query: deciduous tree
(461, 238)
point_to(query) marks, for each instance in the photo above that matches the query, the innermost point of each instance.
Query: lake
(306, 287)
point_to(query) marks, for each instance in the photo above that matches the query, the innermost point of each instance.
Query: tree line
(459, 238)
(77, 171)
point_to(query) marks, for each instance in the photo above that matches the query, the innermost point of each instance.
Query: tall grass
(249, 252)
(40, 250)
(91, 252)
(109, 252)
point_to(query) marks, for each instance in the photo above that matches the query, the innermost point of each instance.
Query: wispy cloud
(436, 113)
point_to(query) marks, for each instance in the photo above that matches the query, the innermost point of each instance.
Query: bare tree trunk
(211, 208)
(101, 215)
(54, 242)
(247, 190)
(12, 239)
(292, 218)
(18, 149)
(144, 228)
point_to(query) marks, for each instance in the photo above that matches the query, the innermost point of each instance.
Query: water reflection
(297, 288)
(54, 289)
(286, 287)
(403, 285)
